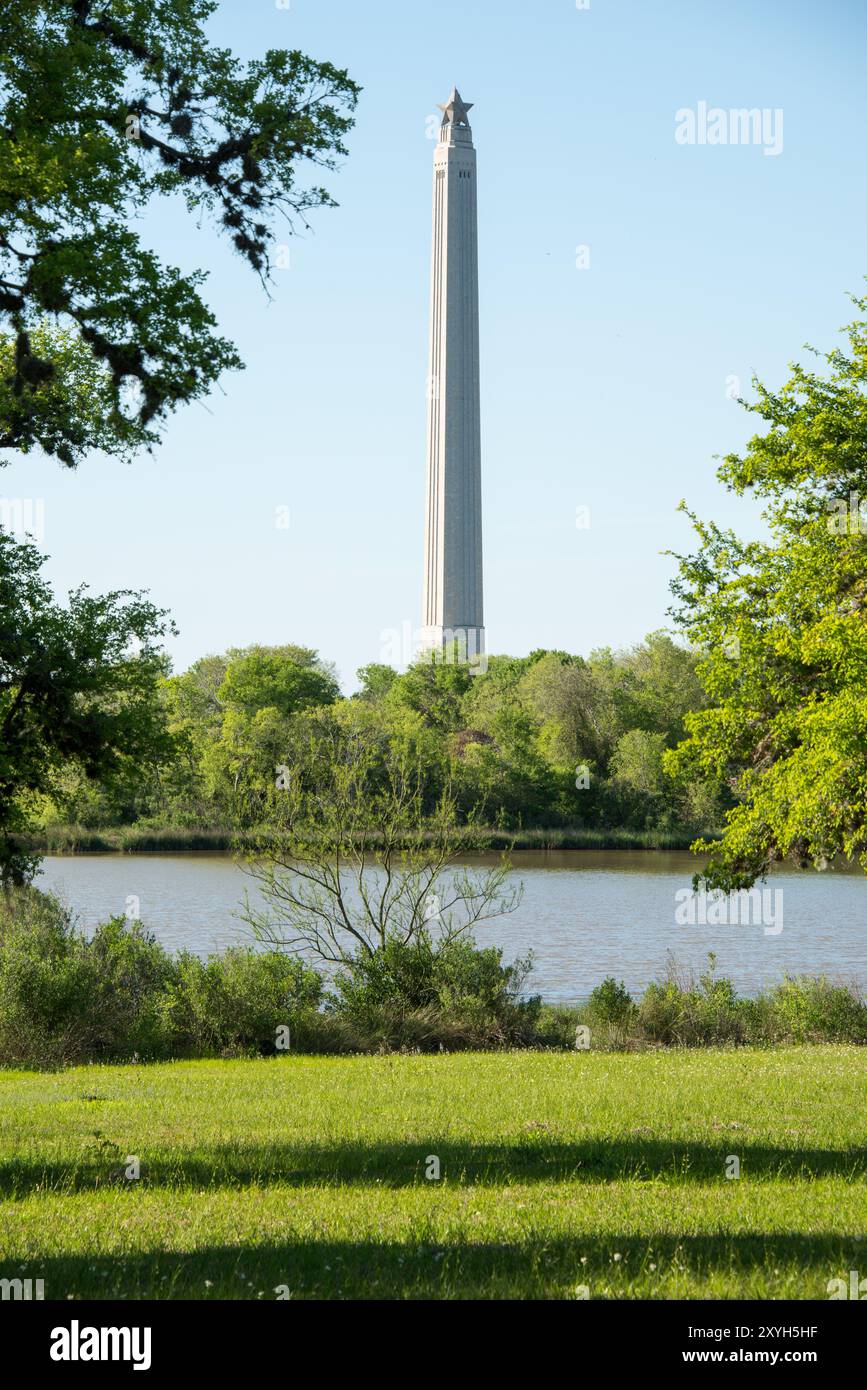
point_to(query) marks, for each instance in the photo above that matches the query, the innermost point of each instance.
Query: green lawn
(558, 1170)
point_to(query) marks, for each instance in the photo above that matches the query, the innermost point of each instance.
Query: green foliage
(285, 679)
(433, 688)
(637, 761)
(393, 992)
(129, 971)
(610, 1002)
(545, 740)
(119, 995)
(238, 1001)
(780, 623)
(708, 1012)
(708, 1015)
(104, 108)
(63, 998)
(810, 1010)
(235, 719)
(572, 712)
(376, 681)
(78, 694)
(67, 998)
(556, 1026)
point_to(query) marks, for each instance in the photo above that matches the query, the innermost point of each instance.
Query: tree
(104, 106)
(233, 715)
(434, 686)
(637, 762)
(243, 758)
(78, 688)
(492, 704)
(193, 697)
(352, 862)
(376, 681)
(286, 679)
(653, 685)
(781, 625)
(577, 721)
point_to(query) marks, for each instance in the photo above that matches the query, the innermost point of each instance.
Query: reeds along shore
(143, 839)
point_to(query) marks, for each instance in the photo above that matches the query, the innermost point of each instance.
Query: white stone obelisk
(453, 510)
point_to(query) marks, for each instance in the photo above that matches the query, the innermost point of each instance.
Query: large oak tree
(106, 105)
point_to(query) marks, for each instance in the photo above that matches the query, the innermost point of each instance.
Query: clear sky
(602, 388)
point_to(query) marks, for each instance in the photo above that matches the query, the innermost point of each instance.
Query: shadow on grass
(535, 1268)
(399, 1165)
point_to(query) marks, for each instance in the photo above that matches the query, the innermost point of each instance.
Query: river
(585, 914)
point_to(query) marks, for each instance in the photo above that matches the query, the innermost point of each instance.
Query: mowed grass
(557, 1171)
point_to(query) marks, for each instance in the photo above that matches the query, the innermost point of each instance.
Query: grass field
(557, 1171)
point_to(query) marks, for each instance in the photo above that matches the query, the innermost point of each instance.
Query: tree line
(550, 739)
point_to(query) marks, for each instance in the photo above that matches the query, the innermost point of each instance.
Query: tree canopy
(781, 626)
(104, 106)
(549, 739)
(78, 690)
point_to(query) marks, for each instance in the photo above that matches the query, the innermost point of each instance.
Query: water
(585, 914)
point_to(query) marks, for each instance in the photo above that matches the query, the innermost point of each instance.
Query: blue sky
(603, 388)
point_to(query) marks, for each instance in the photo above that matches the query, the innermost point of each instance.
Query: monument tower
(453, 510)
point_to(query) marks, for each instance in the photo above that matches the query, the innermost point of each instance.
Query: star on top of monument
(455, 111)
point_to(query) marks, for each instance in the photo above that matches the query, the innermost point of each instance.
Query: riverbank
(585, 914)
(136, 839)
(555, 1176)
(67, 997)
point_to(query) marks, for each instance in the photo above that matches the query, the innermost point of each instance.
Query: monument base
(459, 646)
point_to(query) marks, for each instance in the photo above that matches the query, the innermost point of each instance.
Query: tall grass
(143, 839)
(578, 837)
(127, 839)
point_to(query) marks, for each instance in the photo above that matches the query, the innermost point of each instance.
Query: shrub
(660, 1012)
(238, 1000)
(63, 998)
(814, 1010)
(66, 999)
(44, 981)
(556, 1025)
(128, 971)
(428, 993)
(610, 1002)
(708, 1015)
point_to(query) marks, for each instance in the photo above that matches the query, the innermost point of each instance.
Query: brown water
(585, 914)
